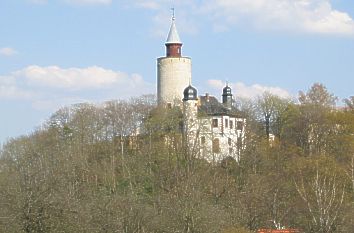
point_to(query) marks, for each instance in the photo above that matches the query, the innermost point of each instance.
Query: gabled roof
(210, 106)
(173, 37)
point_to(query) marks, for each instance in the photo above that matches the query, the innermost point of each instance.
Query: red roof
(278, 231)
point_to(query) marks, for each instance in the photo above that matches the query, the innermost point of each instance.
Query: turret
(190, 103)
(227, 97)
(190, 113)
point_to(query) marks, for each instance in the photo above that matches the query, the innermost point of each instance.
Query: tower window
(215, 123)
(231, 124)
(229, 141)
(226, 123)
(216, 146)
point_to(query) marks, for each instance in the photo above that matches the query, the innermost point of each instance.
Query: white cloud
(8, 51)
(13, 92)
(73, 78)
(9, 89)
(52, 86)
(313, 16)
(306, 16)
(239, 89)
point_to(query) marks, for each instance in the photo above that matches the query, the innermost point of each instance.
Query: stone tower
(174, 72)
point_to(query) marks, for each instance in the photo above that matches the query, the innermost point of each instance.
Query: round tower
(173, 71)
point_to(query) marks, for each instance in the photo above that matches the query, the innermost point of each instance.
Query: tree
(271, 109)
(321, 186)
(309, 123)
(350, 103)
(318, 95)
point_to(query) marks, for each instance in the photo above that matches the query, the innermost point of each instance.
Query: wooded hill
(85, 170)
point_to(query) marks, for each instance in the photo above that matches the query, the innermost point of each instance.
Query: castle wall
(173, 76)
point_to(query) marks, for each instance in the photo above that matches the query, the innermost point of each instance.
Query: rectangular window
(215, 123)
(230, 150)
(226, 123)
(239, 125)
(229, 141)
(231, 124)
(216, 146)
(202, 140)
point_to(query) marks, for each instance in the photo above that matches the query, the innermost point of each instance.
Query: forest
(123, 166)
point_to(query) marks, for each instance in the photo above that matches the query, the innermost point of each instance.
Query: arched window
(216, 145)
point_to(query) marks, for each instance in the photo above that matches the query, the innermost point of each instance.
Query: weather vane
(173, 13)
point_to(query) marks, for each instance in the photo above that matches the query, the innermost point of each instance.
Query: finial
(227, 83)
(190, 81)
(173, 13)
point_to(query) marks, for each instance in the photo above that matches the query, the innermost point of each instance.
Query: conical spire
(173, 37)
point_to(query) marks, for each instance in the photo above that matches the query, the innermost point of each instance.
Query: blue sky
(60, 52)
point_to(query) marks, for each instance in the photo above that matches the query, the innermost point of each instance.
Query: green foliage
(87, 170)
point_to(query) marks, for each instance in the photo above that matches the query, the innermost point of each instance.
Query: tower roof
(190, 93)
(226, 91)
(173, 37)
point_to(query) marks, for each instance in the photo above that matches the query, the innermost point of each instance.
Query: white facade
(173, 76)
(224, 140)
(217, 137)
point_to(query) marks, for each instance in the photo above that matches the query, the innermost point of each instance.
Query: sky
(55, 53)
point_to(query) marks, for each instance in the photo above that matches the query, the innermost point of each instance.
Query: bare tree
(323, 193)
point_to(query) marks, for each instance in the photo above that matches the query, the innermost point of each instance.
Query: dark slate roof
(210, 106)
(190, 93)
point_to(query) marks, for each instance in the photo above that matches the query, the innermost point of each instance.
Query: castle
(213, 130)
